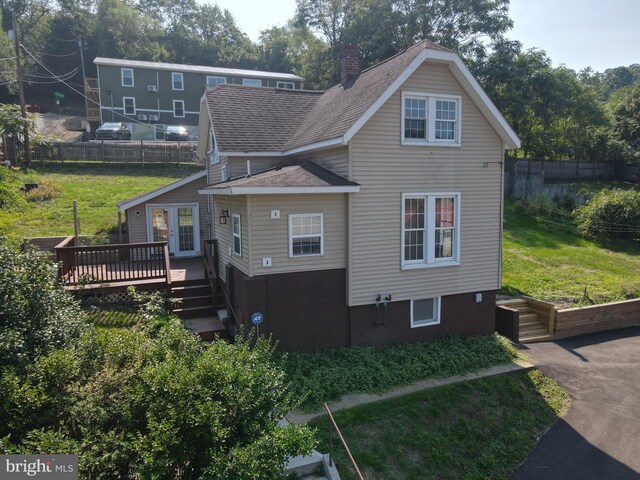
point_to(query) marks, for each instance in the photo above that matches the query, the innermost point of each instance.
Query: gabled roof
(334, 116)
(179, 67)
(144, 197)
(304, 177)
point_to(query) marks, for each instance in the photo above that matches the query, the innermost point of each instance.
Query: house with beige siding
(367, 214)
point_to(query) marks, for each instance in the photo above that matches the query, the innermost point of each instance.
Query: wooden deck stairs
(536, 319)
(196, 308)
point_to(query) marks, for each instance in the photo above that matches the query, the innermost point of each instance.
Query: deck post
(76, 224)
(119, 226)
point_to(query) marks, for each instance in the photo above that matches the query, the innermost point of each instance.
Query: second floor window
(212, 81)
(126, 75)
(306, 234)
(287, 85)
(252, 82)
(177, 81)
(237, 235)
(430, 119)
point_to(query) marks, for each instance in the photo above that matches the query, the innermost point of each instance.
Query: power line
(111, 109)
(8, 58)
(66, 76)
(61, 39)
(61, 55)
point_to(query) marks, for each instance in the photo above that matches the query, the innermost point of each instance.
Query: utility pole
(84, 77)
(23, 107)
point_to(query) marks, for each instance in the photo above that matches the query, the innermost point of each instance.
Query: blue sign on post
(257, 318)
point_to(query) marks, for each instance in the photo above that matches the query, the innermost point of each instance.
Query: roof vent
(349, 63)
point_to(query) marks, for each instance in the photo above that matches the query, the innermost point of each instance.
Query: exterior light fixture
(224, 214)
(479, 297)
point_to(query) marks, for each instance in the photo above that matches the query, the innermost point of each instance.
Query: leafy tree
(626, 123)
(36, 314)
(140, 405)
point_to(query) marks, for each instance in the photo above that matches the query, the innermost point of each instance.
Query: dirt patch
(53, 127)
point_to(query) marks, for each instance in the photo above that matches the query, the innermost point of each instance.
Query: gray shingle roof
(259, 119)
(304, 174)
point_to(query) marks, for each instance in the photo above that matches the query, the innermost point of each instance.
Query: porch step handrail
(210, 258)
(332, 423)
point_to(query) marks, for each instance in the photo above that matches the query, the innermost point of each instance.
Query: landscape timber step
(190, 290)
(538, 338)
(186, 283)
(528, 318)
(208, 328)
(199, 301)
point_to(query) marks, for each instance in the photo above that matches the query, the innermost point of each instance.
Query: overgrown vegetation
(96, 188)
(481, 429)
(113, 316)
(37, 315)
(150, 401)
(611, 214)
(546, 257)
(321, 377)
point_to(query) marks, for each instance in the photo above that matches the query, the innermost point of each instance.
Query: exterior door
(177, 225)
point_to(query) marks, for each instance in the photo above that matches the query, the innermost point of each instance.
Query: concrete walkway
(354, 400)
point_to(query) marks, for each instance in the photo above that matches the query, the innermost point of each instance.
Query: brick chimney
(349, 63)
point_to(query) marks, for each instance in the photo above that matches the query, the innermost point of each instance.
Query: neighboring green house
(152, 95)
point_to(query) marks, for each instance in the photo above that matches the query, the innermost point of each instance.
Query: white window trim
(217, 77)
(280, 82)
(430, 261)
(431, 120)
(133, 82)
(251, 80)
(291, 236)
(435, 321)
(124, 108)
(183, 110)
(236, 235)
(224, 173)
(173, 83)
(213, 149)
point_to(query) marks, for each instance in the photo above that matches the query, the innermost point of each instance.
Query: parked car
(176, 133)
(113, 131)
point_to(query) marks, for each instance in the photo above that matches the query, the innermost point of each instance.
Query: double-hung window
(237, 234)
(212, 80)
(177, 81)
(306, 234)
(178, 108)
(430, 229)
(430, 119)
(129, 105)
(126, 77)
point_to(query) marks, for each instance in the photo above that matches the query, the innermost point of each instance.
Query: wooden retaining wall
(609, 316)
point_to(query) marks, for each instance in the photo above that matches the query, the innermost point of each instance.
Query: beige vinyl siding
(335, 159)
(224, 233)
(203, 132)
(270, 237)
(137, 224)
(385, 170)
(238, 165)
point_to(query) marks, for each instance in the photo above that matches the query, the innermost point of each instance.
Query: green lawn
(481, 429)
(325, 376)
(547, 259)
(96, 188)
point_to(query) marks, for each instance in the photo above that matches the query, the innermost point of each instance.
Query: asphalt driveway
(600, 436)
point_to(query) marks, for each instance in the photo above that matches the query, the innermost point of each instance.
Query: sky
(579, 33)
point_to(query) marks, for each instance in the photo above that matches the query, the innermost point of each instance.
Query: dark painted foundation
(307, 311)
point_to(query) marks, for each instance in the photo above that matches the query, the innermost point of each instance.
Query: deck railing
(99, 264)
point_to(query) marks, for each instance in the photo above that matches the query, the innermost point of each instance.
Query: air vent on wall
(152, 88)
(153, 118)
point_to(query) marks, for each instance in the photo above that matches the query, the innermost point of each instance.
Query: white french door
(176, 224)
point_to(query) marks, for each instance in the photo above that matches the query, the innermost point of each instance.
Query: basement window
(425, 312)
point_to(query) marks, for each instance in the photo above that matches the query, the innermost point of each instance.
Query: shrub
(10, 196)
(611, 213)
(166, 406)
(46, 191)
(36, 314)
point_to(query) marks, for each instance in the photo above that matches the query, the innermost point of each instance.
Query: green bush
(161, 405)
(36, 314)
(611, 213)
(325, 376)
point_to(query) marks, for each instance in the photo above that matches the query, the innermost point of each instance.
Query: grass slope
(548, 260)
(96, 188)
(481, 429)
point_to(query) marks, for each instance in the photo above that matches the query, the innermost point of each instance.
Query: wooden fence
(560, 169)
(107, 152)
(597, 318)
